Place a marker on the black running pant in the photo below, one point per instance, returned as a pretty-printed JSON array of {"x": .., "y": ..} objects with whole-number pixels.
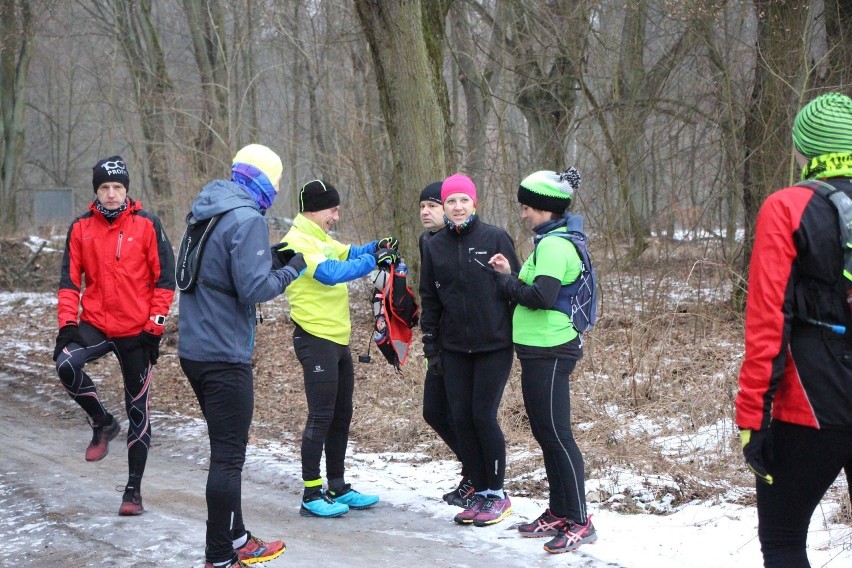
[
  {"x": 436, "y": 410},
  {"x": 475, "y": 383},
  {"x": 547, "y": 400},
  {"x": 136, "y": 372},
  {"x": 225, "y": 392},
  {"x": 329, "y": 387},
  {"x": 806, "y": 462}
]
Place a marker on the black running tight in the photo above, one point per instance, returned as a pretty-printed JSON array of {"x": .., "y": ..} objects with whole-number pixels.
[
  {"x": 806, "y": 462},
  {"x": 475, "y": 383},
  {"x": 136, "y": 372},
  {"x": 547, "y": 400}
]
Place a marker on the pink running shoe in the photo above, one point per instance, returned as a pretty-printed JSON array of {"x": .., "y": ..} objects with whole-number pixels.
[
  {"x": 546, "y": 525},
  {"x": 571, "y": 536},
  {"x": 474, "y": 505},
  {"x": 493, "y": 511}
]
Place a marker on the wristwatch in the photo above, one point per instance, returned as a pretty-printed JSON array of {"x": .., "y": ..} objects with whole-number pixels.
[{"x": 159, "y": 320}]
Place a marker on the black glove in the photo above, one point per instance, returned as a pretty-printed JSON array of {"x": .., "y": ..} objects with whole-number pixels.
[
  {"x": 388, "y": 242},
  {"x": 298, "y": 263},
  {"x": 281, "y": 255},
  {"x": 386, "y": 256},
  {"x": 67, "y": 334},
  {"x": 151, "y": 346},
  {"x": 757, "y": 449},
  {"x": 434, "y": 366}
]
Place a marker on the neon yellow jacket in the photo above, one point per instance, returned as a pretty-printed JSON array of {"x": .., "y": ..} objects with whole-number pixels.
[{"x": 319, "y": 300}]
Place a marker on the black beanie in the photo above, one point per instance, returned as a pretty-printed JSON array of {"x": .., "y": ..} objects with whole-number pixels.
[
  {"x": 432, "y": 192},
  {"x": 317, "y": 195},
  {"x": 110, "y": 169}
]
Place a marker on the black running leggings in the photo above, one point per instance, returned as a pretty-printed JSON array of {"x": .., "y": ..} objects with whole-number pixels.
[
  {"x": 136, "y": 372},
  {"x": 547, "y": 400},
  {"x": 436, "y": 410},
  {"x": 329, "y": 387},
  {"x": 806, "y": 462},
  {"x": 475, "y": 383},
  {"x": 225, "y": 392}
]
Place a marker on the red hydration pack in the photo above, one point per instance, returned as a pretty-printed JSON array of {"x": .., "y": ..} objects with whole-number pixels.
[{"x": 396, "y": 311}]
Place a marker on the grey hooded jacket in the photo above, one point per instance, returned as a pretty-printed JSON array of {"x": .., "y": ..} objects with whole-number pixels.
[{"x": 215, "y": 325}]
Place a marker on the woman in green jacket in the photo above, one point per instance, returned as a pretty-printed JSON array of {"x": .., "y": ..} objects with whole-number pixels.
[{"x": 548, "y": 347}]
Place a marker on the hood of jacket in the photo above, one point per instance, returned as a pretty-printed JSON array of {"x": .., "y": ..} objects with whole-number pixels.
[{"x": 220, "y": 196}]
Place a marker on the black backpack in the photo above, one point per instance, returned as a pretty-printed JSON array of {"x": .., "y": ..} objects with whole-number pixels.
[
  {"x": 843, "y": 205},
  {"x": 191, "y": 250},
  {"x": 579, "y": 299}
]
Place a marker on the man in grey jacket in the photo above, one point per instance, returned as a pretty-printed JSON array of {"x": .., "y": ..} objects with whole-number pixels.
[{"x": 216, "y": 324}]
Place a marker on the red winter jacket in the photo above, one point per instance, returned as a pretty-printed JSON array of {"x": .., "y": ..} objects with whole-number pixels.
[
  {"x": 794, "y": 371},
  {"x": 128, "y": 270}
]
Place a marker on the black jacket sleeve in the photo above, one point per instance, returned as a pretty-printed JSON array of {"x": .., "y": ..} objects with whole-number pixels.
[
  {"x": 431, "y": 306},
  {"x": 540, "y": 296}
]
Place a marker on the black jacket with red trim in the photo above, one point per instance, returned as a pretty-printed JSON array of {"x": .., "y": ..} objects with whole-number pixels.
[
  {"x": 794, "y": 371},
  {"x": 127, "y": 267}
]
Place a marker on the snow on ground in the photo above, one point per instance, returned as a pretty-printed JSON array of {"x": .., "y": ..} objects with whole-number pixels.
[{"x": 711, "y": 534}]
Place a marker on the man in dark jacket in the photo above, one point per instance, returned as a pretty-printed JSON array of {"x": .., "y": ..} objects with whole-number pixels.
[
  {"x": 119, "y": 265},
  {"x": 217, "y": 321},
  {"x": 436, "y": 403},
  {"x": 794, "y": 406}
]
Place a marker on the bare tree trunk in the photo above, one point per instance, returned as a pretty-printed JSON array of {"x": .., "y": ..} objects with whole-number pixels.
[
  {"x": 16, "y": 43},
  {"x": 140, "y": 43},
  {"x": 207, "y": 28},
  {"x": 548, "y": 77},
  {"x": 780, "y": 76},
  {"x": 410, "y": 104}
]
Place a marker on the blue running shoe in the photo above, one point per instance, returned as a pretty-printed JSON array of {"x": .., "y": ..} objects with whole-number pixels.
[
  {"x": 319, "y": 505},
  {"x": 355, "y": 500}
]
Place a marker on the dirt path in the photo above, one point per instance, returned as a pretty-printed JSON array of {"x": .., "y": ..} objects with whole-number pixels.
[{"x": 59, "y": 510}]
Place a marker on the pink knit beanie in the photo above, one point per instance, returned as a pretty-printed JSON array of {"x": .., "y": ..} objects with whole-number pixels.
[{"x": 458, "y": 183}]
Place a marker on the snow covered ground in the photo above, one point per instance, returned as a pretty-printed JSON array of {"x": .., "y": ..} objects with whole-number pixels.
[{"x": 710, "y": 534}]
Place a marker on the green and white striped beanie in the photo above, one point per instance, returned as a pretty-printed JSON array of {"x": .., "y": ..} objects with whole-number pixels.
[
  {"x": 549, "y": 191},
  {"x": 824, "y": 126}
]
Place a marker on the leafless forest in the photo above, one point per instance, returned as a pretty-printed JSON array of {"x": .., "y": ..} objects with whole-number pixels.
[{"x": 677, "y": 113}]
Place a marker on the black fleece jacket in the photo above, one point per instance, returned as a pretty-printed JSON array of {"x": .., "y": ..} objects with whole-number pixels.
[{"x": 463, "y": 307}]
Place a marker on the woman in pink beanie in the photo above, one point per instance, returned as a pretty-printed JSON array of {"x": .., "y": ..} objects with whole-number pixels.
[{"x": 467, "y": 334}]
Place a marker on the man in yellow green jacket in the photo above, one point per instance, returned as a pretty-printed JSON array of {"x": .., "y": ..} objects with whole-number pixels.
[{"x": 319, "y": 308}]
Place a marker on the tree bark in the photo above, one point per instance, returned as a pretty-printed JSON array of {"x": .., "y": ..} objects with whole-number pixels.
[
  {"x": 207, "y": 28},
  {"x": 411, "y": 105},
  {"x": 140, "y": 43},
  {"x": 16, "y": 47},
  {"x": 780, "y": 75}
]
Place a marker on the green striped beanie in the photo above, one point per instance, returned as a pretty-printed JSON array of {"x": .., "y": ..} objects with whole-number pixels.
[
  {"x": 824, "y": 126},
  {"x": 549, "y": 191}
]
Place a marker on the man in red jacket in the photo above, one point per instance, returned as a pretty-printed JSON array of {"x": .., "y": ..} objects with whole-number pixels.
[
  {"x": 794, "y": 406},
  {"x": 119, "y": 265}
]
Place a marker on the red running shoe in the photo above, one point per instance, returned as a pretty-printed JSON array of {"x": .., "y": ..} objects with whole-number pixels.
[
  {"x": 256, "y": 550},
  {"x": 102, "y": 434},
  {"x": 571, "y": 536},
  {"x": 546, "y": 525},
  {"x": 131, "y": 503}
]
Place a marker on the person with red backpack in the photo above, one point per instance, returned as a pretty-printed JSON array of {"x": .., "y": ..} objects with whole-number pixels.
[
  {"x": 794, "y": 404},
  {"x": 549, "y": 344}
]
